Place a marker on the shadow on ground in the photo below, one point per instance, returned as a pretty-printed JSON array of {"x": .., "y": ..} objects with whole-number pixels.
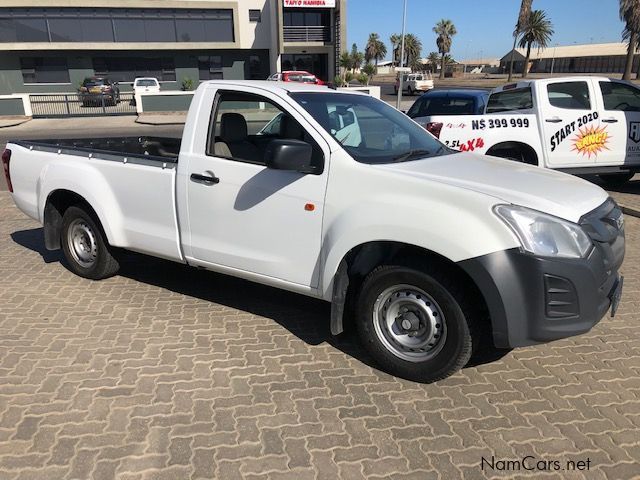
[{"x": 305, "y": 317}]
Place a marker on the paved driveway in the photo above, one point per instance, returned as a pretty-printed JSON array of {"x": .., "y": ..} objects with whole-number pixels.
[{"x": 169, "y": 372}]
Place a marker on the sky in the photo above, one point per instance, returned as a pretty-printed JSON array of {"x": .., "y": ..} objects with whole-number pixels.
[{"x": 484, "y": 26}]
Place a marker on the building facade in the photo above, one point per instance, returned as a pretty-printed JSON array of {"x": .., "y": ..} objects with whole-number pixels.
[
  {"x": 52, "y": 45},
  {"x": 589, "y": 58}
]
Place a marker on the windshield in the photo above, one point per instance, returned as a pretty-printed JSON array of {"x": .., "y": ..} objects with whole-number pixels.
[
  {"x": 371, "y": 131},
  {"x": 94, "y": 82},
  {"x": 146, "y": 82}
]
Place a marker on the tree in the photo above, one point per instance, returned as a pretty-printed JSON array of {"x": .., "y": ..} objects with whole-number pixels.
[
  {"x": 412, "y": 49},
  {"x": 346, "y": 61},
  {"x": 375, "y": 49},
  {"x": 369, "y": 69},
  {"x": 434, "y": 59},
  {"x": 357, "y": 58},
  {"x": 396, "y": 40},
  {"x": 630, "y": 15},
  {"x": 536, "y": 33},
  {"x": 523, "y": 17},
  {"x": 445, "y": 29}
]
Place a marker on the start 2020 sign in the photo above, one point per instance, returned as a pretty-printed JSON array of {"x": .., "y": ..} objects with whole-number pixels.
[{"x": 310, "y": 3}]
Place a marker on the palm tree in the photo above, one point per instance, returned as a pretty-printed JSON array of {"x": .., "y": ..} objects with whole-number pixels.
[
  {"x": 434, "y": 60},
  {"x": 412, "y": 49},
  {"x": 630, "y": 15},
  {"x": 375, "y": 49},
  {"x": 537, "y": 32},
  {"x": 523, "y": 18},
  {"x": 445, "y": 29},
  {"x": 346, "y": 63},
  {"x": 357, "y": 58},
  {"x": 395, "y": 40}
]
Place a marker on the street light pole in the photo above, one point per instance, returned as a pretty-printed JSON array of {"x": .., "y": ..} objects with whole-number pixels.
[
  {"x": 404, "y": 21},
  {"x": 553, "y": 58}
]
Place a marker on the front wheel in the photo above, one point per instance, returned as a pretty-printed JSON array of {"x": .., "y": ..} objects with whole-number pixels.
[
  {"x": 412, "y": 324},
  {"x": 616, "y": 180},
  {"x": 84, "y": 245}
]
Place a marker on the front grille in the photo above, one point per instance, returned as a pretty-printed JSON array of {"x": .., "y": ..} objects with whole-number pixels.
[{"x": 606, "y": 228}]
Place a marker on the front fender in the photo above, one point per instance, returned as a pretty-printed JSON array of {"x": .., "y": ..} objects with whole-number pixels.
[{"x": 454, "y": 232}]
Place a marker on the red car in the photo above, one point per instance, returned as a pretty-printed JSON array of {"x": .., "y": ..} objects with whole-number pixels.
[{"x": 296, "y": 76}]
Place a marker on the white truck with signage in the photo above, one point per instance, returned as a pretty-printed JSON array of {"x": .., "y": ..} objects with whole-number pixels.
[
  {"x": 579, "y": 125},
  {"x": 429, "y": 252}
]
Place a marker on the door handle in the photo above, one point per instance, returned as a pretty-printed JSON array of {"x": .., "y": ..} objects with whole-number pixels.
[
  {"x": 610, "y": 120},
  {"x": 553, "y": 120},
  {"x": 204, "y": 179}
]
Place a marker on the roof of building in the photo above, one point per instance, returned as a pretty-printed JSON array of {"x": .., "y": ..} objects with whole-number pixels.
[
  {"x": 566, "y": 51},
  {"x": 481, "y": 61}
]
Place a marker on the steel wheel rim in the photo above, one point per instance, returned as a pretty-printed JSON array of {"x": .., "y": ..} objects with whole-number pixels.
[
  {"x": 409, "y": 323},
  {"x": 82, "y": 243}
]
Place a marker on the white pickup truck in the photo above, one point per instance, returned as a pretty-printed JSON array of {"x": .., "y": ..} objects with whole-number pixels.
[
  {"x": 428, "y": 251},
  {"x": 579, "y": 125}
]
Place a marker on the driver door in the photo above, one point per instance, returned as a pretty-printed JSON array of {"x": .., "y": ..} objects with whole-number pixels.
[{"x": 248, "y": 217}]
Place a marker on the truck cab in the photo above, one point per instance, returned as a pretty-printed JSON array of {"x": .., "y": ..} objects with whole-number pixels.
[{"x": 580, "y": 125}]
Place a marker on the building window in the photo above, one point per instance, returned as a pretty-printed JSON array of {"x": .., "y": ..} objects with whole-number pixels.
[
  {"x": 210, "y": 67},
  {"x": 255, "y": 16},
  {"x": 44, "y": 70},
  {"x": 115, "y": 25},
  {"x": 126, "y": 69},
  {"x": 298, "y": 17},
  {"x": 255, "y": 68}
]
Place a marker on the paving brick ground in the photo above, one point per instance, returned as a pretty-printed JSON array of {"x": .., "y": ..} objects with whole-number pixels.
[
  {"x": 629, "y": 196},
  {"x": 165, "y": 372}
]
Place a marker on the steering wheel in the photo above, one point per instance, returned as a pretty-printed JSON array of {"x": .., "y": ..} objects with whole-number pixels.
[{"x": 620, "y": 105}]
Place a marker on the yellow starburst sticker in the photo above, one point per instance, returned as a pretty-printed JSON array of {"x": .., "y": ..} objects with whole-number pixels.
[{"x": 591, "y": 140}]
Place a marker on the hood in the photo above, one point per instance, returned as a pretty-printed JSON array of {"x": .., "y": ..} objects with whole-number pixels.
[{"x": 545, "y": 190}]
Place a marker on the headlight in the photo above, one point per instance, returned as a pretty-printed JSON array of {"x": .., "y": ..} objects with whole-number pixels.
[{"x": 545, "y": 235}]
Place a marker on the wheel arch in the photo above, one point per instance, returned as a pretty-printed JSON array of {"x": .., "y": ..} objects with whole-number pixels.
[
  {"x": 56, "y": 204},
  {"x": 358, "y": 262},
  {"x": 530, "y": 155}
]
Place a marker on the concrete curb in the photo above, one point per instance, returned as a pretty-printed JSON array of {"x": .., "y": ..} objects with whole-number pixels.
[
  {"x": 633, "y": 212},
  {"x": 6, "y": 122},
  {"x": 161, "y": 119}
]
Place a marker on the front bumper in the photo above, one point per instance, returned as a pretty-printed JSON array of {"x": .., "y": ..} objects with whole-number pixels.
[{"x": 538, "y": 299}]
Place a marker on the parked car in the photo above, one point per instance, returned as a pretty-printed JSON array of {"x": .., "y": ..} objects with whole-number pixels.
[
  {"x": 145, "y": 85},
  {"x": 414, "y": 83},
  {"x": 429, "y": 251},
  {"x": 295, "y": 76},
  {"x": 579, "y": 125},
  {"x": 449, "y": 102},
  {"x": 99, "y": 90}
]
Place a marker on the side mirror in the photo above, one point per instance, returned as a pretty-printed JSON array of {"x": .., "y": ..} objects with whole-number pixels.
[{"x": 289, "y": 154}]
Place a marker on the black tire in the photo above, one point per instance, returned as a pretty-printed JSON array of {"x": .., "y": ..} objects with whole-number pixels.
[
  {"x": 616, "y": 180},
  {"x": 82, "y": 238},
  {"x": 453, "y": 341}
]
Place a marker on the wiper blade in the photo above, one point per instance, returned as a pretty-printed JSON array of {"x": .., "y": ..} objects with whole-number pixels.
[{"x": 411, "y": 154}]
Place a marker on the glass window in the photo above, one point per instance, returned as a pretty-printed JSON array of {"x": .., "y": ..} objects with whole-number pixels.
[
  {"x": 245, "y": 124},
  {"x": 130, "y": 25},
  {"x": 569, "y": 95},
  {"x": 370, "y": 130},
  {"x": 210, "y": 67},
  {"x": 509, "y": 100},
  {"x": 255, "y": 68},
  {"x": 31, "y": 30},
  {"x": 126, "y": 69},
  {"x": 129, "y": 29},
  {"x": 44, "y": 70},
  {"x": 255, "y": 16},
  {"x": 97, "y": 30},
  {"x": 620, "y": 96},
  {"x": 447, "y": 106}
]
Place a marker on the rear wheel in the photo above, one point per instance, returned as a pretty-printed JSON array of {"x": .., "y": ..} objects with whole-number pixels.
[
  {"x": 84, "y": 245},
  {"x": 616, "y": 180},
  {"x": 413, "y": 323}
]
